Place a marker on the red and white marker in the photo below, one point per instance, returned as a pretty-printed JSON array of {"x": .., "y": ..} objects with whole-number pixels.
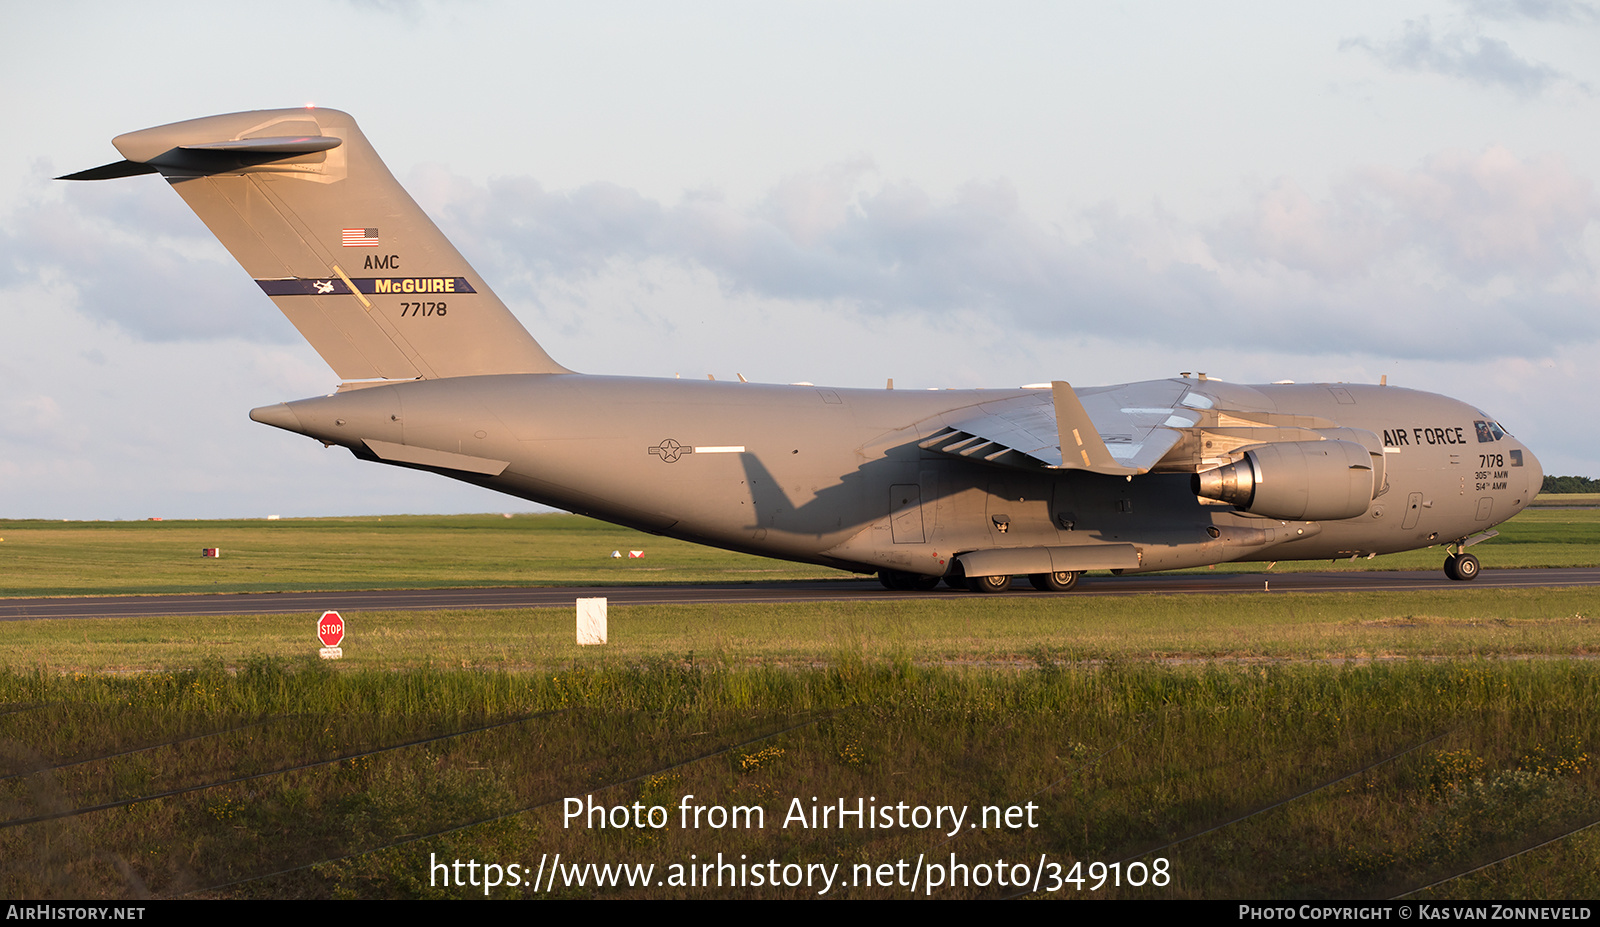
[{"x": 330, "y": 630}]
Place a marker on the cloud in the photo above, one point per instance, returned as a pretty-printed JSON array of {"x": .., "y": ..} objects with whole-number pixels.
[
  {"x": 136, "y": 258},
  {"x": 1474, "y": 217},
  {"x": 1568, "y": 12},
  {"x": 37, "y": 419},
  {"x": 1460, "y": 53},
  {"x": 1489, "y": 214},
  {"x": 1465, "y": 255},
  {"x": 409, "y": 11}
]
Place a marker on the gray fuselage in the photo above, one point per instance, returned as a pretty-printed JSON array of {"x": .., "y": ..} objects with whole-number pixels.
[{"x": 837, "y": 477}]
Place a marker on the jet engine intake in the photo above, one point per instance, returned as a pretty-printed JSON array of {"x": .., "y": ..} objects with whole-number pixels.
[{"x": 1294, "y": 480}]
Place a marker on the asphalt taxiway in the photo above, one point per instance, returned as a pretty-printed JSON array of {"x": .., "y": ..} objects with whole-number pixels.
[{"x": 857, "y": 590}]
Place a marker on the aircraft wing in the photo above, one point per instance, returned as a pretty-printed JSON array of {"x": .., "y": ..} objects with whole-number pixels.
[
  {"x": 1140, "y": 422},
  {"x": 1121, "y": 431}
]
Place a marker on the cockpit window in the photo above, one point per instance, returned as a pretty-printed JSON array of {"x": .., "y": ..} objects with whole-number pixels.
[{"x": 1488, "y": 431}]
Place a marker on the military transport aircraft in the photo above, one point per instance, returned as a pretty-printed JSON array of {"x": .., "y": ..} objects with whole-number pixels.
[{"x": 972, "y": 486}]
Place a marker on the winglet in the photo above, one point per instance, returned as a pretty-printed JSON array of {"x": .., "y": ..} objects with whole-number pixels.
[{"x": 1081, "y": 446}]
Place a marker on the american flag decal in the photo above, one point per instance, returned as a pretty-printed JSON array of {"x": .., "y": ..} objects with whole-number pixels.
[{"x": 359, "y": 238}]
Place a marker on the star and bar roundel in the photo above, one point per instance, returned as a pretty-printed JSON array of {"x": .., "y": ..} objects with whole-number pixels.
[{"x": 669, "y": 450}]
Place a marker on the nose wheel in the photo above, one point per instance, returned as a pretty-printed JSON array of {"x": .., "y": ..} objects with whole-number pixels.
[{"x": 1461, "y": 567}]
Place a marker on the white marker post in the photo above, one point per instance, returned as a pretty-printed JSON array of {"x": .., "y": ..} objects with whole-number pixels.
[
  {"x": 330, "y": 630},
  {"x": 591, "y": 621}
]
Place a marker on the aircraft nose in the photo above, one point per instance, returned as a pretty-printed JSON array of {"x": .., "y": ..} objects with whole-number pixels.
[{"x": 1535, "y": 473}]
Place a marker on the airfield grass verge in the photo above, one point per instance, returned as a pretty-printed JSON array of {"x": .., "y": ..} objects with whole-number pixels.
[
  {"x": 387, "y": 552},
  {"x": 296, "y": 779},
  {"x": 43, "y": 558},
  {"x": 958, "y": 630},
  {"x": 1271, "y": 745},
  {"x": 1567, "y": 499}
]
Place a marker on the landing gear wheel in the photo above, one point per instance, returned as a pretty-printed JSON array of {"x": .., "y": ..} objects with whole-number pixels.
[
  {"x": 1462, "y": 567},
  {"x": 1060, "y": 581},
  {"x": 988, "y": 583}
]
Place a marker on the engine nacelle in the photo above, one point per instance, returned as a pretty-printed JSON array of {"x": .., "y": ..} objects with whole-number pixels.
[{"x": 1295, "y": 480}]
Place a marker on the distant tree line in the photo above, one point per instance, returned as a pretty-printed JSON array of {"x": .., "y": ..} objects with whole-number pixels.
[{"x": 1570, "y": 484}]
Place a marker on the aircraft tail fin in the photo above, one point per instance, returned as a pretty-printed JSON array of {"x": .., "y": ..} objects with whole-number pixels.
[{"x": 302, "y": 201}]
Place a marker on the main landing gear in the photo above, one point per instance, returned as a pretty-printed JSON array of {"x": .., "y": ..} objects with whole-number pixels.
[
  {"x": 1461, "y": 567},
  {"x": 988, "y": 583},
  {"x": 1062, "y": 581}
]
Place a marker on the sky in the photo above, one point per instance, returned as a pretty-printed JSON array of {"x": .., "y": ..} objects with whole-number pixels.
[{"x": 946, "y": 194}]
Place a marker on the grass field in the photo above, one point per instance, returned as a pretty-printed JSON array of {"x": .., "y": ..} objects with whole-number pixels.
[
  {"x": 1437, "y": 745},
  {"x": 956, "y": 631},
  {"x": 406, "y": 552},
  {"x": 399, "y": 552},
  {"x": 1476, "y": 778},
  {"x": 1565, "y": 499}
]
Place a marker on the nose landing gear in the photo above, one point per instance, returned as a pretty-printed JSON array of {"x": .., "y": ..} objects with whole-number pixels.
[{"x": 1461, "y": 567}]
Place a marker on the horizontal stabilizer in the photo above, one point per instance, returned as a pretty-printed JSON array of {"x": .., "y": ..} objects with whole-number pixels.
[
  {"x": 112, "y": 171},
  {"x": 287, "y": 145},
  {"x": 202, "y": 158}
]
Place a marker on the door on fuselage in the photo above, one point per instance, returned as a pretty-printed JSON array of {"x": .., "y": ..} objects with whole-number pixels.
[
  {"x": 1413, "y": 511},
  {"x": 905, "y": 514}
]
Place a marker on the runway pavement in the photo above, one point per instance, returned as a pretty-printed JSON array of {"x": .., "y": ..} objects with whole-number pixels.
[{"x": 855, "y": 590}]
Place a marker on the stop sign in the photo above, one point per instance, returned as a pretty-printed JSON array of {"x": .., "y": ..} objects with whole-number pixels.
[{"x": 330, "y": 629}]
